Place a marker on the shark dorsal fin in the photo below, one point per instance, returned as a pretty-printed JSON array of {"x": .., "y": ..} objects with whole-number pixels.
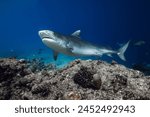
[
  {"x": 55, "y": 55},
  {"x": 76, "y": 33}
]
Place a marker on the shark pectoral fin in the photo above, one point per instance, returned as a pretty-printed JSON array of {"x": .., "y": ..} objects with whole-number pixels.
[
  {"x": 76, "y": 33},
  {"x": 55, "y": 55},
  {"x": 109, "y": 55}
]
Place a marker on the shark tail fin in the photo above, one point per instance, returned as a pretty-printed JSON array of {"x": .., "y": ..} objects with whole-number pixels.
[{"x": 122, "y": 50}]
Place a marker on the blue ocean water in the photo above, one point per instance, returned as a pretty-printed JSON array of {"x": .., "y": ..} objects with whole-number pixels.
[{"x": 104, "y": 22}]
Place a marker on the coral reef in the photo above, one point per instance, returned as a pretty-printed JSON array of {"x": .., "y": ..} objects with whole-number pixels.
[{"x": 81, "y": 79}]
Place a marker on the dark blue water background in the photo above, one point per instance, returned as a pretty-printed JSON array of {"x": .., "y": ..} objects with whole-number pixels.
[{"x": 104, "y": 22}]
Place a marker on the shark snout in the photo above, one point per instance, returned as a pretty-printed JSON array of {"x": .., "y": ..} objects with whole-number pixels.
[
  {"x": 46, "y": 34},
  {"x": 40, "y": 33}
]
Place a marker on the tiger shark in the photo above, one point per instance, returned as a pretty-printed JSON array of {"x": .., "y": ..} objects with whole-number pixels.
[{"x": 73, "y": 45}]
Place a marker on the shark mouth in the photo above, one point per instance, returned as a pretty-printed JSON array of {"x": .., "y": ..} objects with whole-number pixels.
[{"x": 45, "y": 37}]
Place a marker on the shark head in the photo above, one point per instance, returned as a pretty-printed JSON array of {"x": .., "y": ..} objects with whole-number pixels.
[
  {"x": 52, "y": 40},
  {"x": 47, "y": 35}
]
